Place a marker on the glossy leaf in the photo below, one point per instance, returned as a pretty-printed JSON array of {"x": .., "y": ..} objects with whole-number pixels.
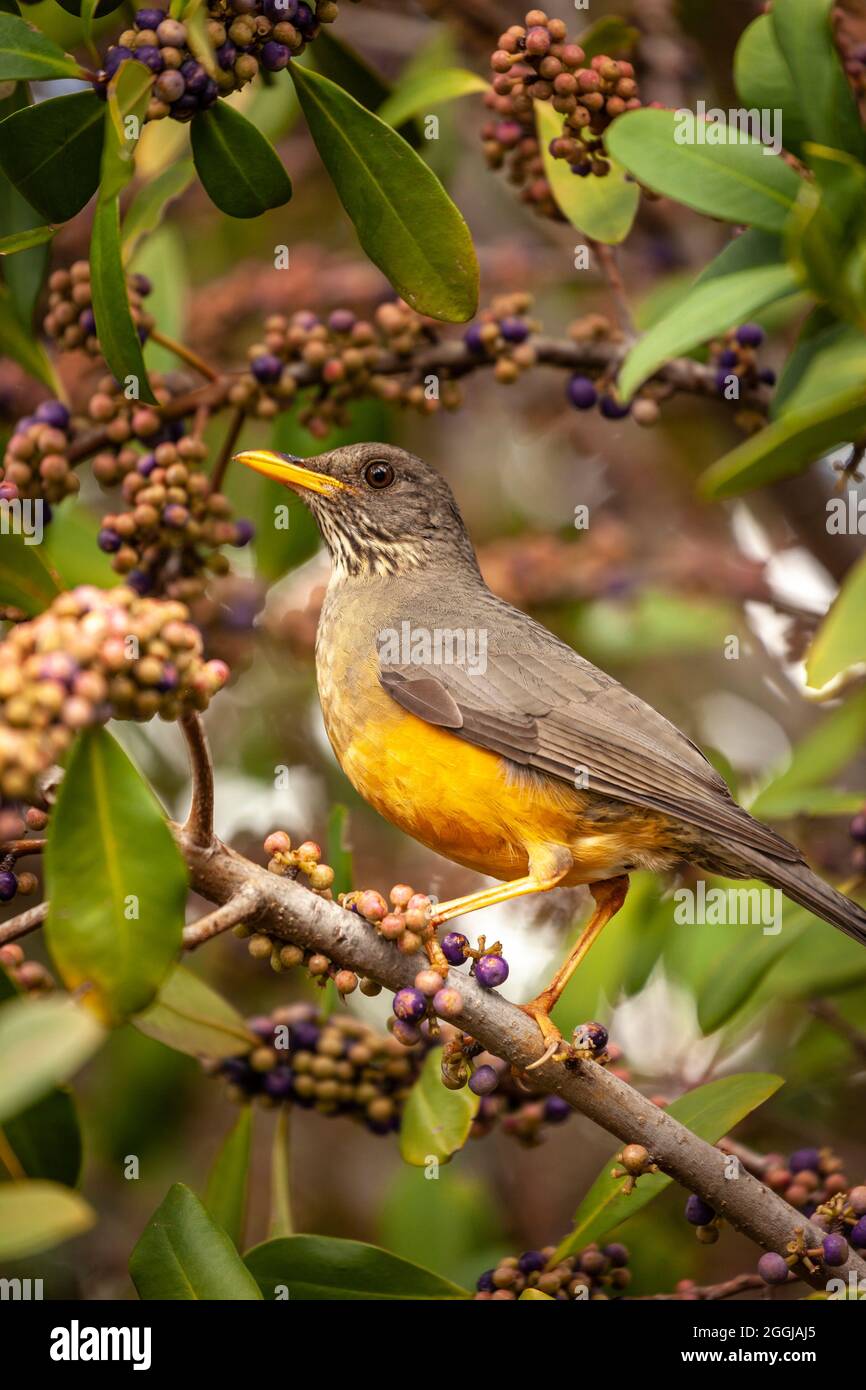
[
  {"x": 226, "y": 1193},
  {"x": 739, "y": 971},
  {"x": 709, "y": 1111},
  {"x": 150, "y": 203},
  {"x": 343, "y": 65},
  {"x": 324, "y": 1268},
  {"x": 610, "y": 34},
  {"x": 42, "y": 1042},
  {"x": 603, "y": 208},
  {"x": 763, "y": 80},
  {"x": 827, "y": 355},
  {"x": 427, "y": 91},
  {"x": 240, "y": 170},
  {"x": 749, "y": 274},
  {"x": 34, "y": 1216},
  {"x": 24, "y": 272},
  {"x": 25, "y": 53},
  {"x": 805, "y": 37},
  {"x": 184, "y": 1255},
  {"x": 190, "y": 1017},
  {"x": 280, "y": 1221},
  {"x": 339, "y": 850},
  {"x": 735, "y": 181},
  {"x": 837, "y": 738},
  {"x": 436, "y": 1122},
  {"x": 46, "y": 1140},
  {"x": 25, "y": 240},
  {"x": 128, "y": 95},
  {"x": 840, "y": 642},
  {"x": 51, "y": 153},
  {"x": 26, "y": 581},
  {"x": 116, "y": 917},
  {"x": 403, "y": 217}
]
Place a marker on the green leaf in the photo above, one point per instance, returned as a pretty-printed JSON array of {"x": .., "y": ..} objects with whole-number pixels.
[
  {"x": 26, "y": 54},
  {"x": 764, "y": 83},
  {"x": 24, "y": 240},
  {"x": 42, "y": 1043},
  {"x": 339, "y": 852},
  {"x": 149, "y": 205},
  {"x": 128, "y": 95},
  {"x": 739, "y": 971},
  {"x": 827, "y": 354},
  {"x": 241, "y": 171},
  {"x": 190, "y": 1017},
  {"x": 805, "y": 38},
  {"x": 343, "y": 65},
  {"x": 34, "y": 1216},
  {"x": 735, "y": 181},
  {"x": 46, "y": 1140},
  {"x": 116, "y": 881},
  {"x": 280, "y": 1223},
  {"x": 709, "y": 1111},
  {"x": 535, "y": 1296},
  {"x": 320, "y": 1268},
  {"x": 26, "y": 581},
  {"x": 830, "y": 746},
  {"x": 746, "y": 276},
  {"x": 436, "y": 1122},
  {"x": 51, "y": 153},
  {"x": 603, "y": 208},
  {"x": 19, "y": 343},
  {"x": 840, "y": 642},
  {"x": 24, "y": 275},
  {"x": 184, "y": 1255},
  {"x": 70, "y": 551},
  {"x": 226, "y": 1193},
  {"x": 403, "y": 217},
  {"x": 428, "y": 91},
  {"x": 611, "y": 34},
  {"x": 825, "y": 241}
]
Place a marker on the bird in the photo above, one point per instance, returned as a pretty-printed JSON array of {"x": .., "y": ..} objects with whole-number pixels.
[{"x": 477, "y": 731}]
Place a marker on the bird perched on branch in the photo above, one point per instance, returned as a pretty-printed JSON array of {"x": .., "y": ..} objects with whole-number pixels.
[{"x": 471, "y": 727}]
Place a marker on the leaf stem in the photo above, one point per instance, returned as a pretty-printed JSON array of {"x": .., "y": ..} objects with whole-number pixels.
[{"x": 185, "y": 354}]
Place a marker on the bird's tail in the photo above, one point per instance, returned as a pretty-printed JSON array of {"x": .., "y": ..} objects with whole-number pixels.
[{"x": 797, "y": 881}]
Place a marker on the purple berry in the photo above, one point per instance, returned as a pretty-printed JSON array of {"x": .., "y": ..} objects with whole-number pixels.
[
  {"x": 115, "y": 57},
  {"x": 483, "y": 1080},
  {"x": 244, "y": 532},
  {"x": 699, "y": 1212},
  {"x": 410, "y": 1004},
  {"x": 858, "y": 1233},
  {"x": 617, "y": 1254},
  {"x": 262, "y": 1026},
  {"x": 196, "y": 76},
  {"x": 454, "y": 947},
  {"x": 187, "y": 105},
  {"x": 150, "y": 55},
  {"x": 405, "y": 1032},
  {"x": 267, "y": 368},
  {"x": 772, "y": 1268},
  {"x": 53, "y": 413},
  {"x": 305, "y": 20},
  {"x": 87, "y": 322},
  {"x": 484, "y": 1282},
  {"x": 473, "y": 339},
  {"x": 491, "y": 971},
  {"x": 304, "y": 1035},
  {"x": 226, "y": 56},
  {"x": 209, "y": 95},
  {"x": 139, "y": 581},
  {"x": 8, "y": 492},
  {"x": 278, "y": 1083},
  {"x": 530, "y": 1261},
  {"x": 8, "y": 885},
  {"x": 514, "y": 330},
  {"x": 142, "y": 284},
  {"x": 556, "y": 1110},
  {"x": 149, "y": 19},
  {"x": 612, "y": 409},
  {"x": 729, "y": 358},
  {"x": 750, "y": 335},
  {"x": 341, "y": 321},
  {"x": 767, "y": 376},
  {"x": 108, "y": 540},
  {"x": 835, "y": 1250},
  {"x": 582, "y": 393},
  {"x": 590, "y": 1037},
  {"x": 146, "y": 465},
  {"x": 723, "y": 380},
  {"x": 804, "y": 1161},
  {"x": 275, "y": 56}
]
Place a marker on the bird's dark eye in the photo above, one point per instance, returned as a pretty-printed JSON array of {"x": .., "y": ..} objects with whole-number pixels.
[{"x": 379, "y": 473}]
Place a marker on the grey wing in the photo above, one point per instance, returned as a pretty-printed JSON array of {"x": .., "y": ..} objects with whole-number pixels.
[{"x": 548, "y": 709}]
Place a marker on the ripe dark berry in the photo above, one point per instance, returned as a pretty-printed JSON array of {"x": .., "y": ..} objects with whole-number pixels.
[
  {"x": 729, "y": 358},
  {"x": 275, "y": 56},
  {"x": 473, "y": 339},
  {"x": 8, "y": 885},
  {"x": 772, "y": 1268},
  {"x": 531, "y": 1260},
  {"x": 804, "y": 1160},
  {"x": 454, "y": 947},
  {"x": 617, "y": 1254},
  {"x": 857, "y": 828},
  {"x": 590, "y": 1037},
  {"x": 582, "y": 393},
  {"x": 278, "y": 1083},
  {"x": 410, "y": 1005},
  {"x": 149, "y": 19},
  {"x": 835, "y": 1249},
  {"x": 483, "y": 1080},
  {"x": 108, "y": 540},
  {"x": 484, "y": 1282},
  {"x": 556, "y": 1110},
  {"x": 514, "y": 330},
  {"x": 612, "y": 409},
  {"x": 266, "y": 369},
  {"x": 699, "y": 1212},
  {"x": 750, "y": 335},
  {"x": 491, "y": 971},
  {"x": 53, "y": 413},
  {"x": 858, "y": 1233}
]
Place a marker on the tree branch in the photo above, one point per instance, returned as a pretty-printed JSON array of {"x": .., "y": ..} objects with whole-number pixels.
[
  {"x": 22, "y": 924},
  {"x": 241, "y": 908},
  {"x": 199, "y": 822}
]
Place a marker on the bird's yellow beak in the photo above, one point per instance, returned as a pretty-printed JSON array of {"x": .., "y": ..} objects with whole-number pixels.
[{"x": 290, "y": 471}]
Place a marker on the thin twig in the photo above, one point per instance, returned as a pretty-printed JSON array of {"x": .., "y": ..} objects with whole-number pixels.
[
  {"x": 199, "y": 822},
  {"x": 710, "y": 1293},
  {"x": 607, "y": 259},
  {"x": 186, "y": 354},
  {"x": 227, "y": 450},
  {"x": 829, "y": 1014},
  {"x": 21, "y": 848},
  {"x": 22, "y": 924},
  {"x": 240, "y": 908}
]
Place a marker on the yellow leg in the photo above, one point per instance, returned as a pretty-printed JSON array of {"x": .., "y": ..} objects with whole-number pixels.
[
  {"x": 609, "y": 897},
  {"x": 488, "y": 897}
]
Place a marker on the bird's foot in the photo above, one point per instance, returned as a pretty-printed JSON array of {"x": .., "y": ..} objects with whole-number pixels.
[{"x": 555, "y": 1046}]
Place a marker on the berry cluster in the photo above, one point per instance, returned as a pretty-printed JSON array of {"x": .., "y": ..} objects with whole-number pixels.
[
  {"x": 736, "y": 356},
  {"x": 584, "y": 392},
  {"x": 503, "y": 332},
  {"x": 594, "y": 1273},
  {"x": 70, "y": 321},
  {"x": 244, "y": 35},
  {"x": 534, "y": 61},
  {"x": 29, "y": 975},
  {"x": 170, "y": 538},
  {"x": 509, "y": 1104},
  {"x": 338, "y": 1066},
  {"x": 93, "y": 655},
  {"x": 808, "y": 1179},
  {"x": 338, "y": 357},
  {"x": 35, "y": 463}
]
